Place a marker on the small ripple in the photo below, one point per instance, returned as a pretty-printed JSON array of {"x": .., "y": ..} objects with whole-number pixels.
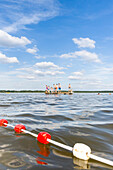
[
  {"x": 18, "y": 102},
  {"x": 57, "y": 118},
  {"x": 107, "y": 111},
  {"x": 5, "y": 105}
]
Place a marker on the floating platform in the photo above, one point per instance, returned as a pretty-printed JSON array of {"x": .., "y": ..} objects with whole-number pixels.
[{"x": 60, "y": 92}]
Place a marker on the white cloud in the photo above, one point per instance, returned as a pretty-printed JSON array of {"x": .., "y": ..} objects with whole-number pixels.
[
  {"x": 29, "y": 77},
  {"x": 46, "y": 69},
  {"x": 6, "y": 40},
  {"x": 38, "y": 57},
  {"x": 47, "y": 73},
  {"x": 69, "y": 55},
  {"x": 76, "y": 76},
  {"x": 69, "y": 65},
  {"x": 86, "y": 55},
  {"x": 47, "y": 65},
  {"x": 35, "y": 74},
  {"x": 78, "y": 73},
  {"x": 53, "y": 73},
  {"x": 39, "y": 73},
  {"x": 20, "y": 24},
  {"x": 5, "y": 59},
  {"x": 84, "y": 42},
  {"x": 26, "y": 12},
  {"x": 28, "y": 69},
  {"x": 108, "y": 70},
  {"x": 33, "y": 50}
]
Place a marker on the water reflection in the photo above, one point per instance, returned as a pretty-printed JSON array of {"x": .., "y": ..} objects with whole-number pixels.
[
  {"x": 81, "y": 164},
  {"x": 10, "y": 160},
  {"x": 43, "y": 151}
]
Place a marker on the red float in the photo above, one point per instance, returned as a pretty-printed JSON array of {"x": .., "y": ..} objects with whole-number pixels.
[
  {"x": 18, "y": 128},
  {"x": 2, "y": 121},
  {"x": 43, "y": 136}
]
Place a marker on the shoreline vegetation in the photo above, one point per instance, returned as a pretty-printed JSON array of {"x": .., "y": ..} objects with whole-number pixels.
[{"x": 43, "y": 91}]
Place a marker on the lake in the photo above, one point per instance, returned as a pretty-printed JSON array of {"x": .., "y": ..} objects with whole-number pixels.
[{"x": 78, "y": 118}]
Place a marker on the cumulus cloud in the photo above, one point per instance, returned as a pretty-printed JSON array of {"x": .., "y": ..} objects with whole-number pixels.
[
  {"x": 108, "y": 70},
  {"x": 78, "y": 73},
  {"x": 34, "y": 74},
  {"x": 76, "y": 76},
  {"x": 41, "y": 69},
  {"x": 47, "y": 73},
  {"x": 39, "y": 73},
  {"x": 29, "y": 69},
  {"x": 6, "y": 40},
  {"x": 5, "y": 59},
  {"x": 84, "y": 42},
  {"x": 69, "y": 55},
  {"x": 29, "y": 77},
  {"x": 47, "y": 65},
  {"x": 33, "y": 50},
  {"x": 53, "y": 73},
  {"x": 86, "y": 55}
]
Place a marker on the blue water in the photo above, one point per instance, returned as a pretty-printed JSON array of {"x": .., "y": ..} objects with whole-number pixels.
[{"x": 70, "y": 119}]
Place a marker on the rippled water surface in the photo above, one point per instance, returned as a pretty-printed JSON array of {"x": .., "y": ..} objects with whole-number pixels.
[{"x": 86, "y": 118}]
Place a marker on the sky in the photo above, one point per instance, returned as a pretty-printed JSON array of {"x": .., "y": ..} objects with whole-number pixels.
[{"x": 45, "y": 42}]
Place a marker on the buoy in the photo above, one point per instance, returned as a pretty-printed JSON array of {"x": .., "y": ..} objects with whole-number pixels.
[
  {"x": 2, "y": 121},
  {"x": 43, "y": 136},
  {"x": 19, "y": 128},
  {"x": 79, "y": 150}
]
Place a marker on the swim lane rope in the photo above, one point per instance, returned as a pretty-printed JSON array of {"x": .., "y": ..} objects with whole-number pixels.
[{"x": 79, "y": 150}]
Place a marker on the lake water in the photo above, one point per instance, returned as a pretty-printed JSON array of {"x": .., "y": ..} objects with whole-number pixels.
[{"x": 70, "y": 119}]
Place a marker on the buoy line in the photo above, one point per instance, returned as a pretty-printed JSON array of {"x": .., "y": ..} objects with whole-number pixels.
[{"x": 79, "y": 150}]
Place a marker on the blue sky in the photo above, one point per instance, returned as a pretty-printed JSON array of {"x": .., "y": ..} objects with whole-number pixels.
[{"x": 51, "y": 41}]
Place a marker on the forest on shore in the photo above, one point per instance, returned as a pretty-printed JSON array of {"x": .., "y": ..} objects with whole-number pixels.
[{"x": 42, "y": 91}]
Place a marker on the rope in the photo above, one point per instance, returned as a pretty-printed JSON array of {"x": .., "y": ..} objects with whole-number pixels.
[{"x": 79, "y": 150}]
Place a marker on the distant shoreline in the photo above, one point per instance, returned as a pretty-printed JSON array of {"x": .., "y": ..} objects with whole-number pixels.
[{"x": 42, "y": 91}]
